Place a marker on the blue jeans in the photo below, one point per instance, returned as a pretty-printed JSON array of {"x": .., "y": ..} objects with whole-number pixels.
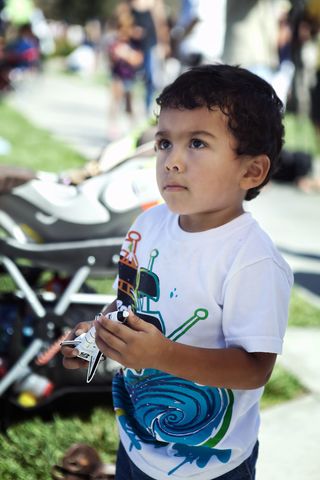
[
  {"x": 126, "y": 469},
  {"x": 148, "y": 67}
]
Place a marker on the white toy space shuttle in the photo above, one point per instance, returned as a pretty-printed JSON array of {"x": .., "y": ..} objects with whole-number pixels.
[{"x": 86, "y": 344}]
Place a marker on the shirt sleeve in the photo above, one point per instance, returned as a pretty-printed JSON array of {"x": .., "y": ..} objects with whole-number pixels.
[{"x": 255, "y": 310}]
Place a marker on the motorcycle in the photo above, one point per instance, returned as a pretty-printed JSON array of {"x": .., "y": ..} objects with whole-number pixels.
[{"x": 55, "y": 235}]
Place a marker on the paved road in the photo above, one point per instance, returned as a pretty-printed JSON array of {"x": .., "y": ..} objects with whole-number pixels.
[{"x": 75, "y": 112}]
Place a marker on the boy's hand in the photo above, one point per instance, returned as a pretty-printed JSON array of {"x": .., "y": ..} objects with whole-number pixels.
[
  {"x": 70, "y": 359},
  {"x": 136, "y": 344}
]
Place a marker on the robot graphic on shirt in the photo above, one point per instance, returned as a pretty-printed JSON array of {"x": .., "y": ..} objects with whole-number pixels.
[{"x": 139, "y": 287}]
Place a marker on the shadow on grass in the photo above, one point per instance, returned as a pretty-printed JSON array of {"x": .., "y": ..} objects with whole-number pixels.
[{"x": 65, "y": 403}]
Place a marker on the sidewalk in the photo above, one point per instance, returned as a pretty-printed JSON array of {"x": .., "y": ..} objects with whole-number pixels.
[
  {"x": 70, "y": 108},
  {"x": 290, "y": 434},
  {"x": 75, "y": 111}
]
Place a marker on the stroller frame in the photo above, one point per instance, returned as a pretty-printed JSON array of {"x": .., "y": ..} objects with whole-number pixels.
[{"x": 48, "y": 306}]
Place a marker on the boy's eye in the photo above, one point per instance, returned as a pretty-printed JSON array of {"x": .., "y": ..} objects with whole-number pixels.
[
  {"x": 197, "y": 143},
  {"x": 163, "y": 144}
]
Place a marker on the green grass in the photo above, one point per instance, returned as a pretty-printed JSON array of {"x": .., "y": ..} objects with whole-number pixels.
[
  {"x": 301, "y": 135},
  {"x": 282, "y": 387},
  {"x": 30, "y": 448},
  {"x": 33, "y": 147},
  {"x": 6, "y": 284},
  {"x": 301, "y": 312},
  {"x": 103, "y": 286}
]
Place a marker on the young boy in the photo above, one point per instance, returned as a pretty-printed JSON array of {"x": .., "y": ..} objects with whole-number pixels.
[{"x": 206, "y": 288}]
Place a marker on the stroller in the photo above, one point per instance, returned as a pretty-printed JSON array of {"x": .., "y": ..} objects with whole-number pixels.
[{"x": 55, "y": 235}]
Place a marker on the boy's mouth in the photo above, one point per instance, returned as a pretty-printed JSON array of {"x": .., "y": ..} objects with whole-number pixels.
[{"x": 174, "y": 187}]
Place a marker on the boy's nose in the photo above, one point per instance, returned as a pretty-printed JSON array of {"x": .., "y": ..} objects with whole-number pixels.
[
  {"x": 173, "y": 167},
  {"x": 174, "y": 162}
]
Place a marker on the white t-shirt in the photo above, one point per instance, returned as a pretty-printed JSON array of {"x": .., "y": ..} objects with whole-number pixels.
[{"x": 224, "y": 287}]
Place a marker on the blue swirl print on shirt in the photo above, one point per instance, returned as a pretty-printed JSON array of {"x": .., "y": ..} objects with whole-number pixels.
[
  {"x": 200, "y": 455},
  {"x": 174, "y": 410},
  {"x": 125, "y": 413}
]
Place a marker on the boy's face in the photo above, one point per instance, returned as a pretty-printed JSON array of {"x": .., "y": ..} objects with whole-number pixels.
[{"x": 198, "y": 172}]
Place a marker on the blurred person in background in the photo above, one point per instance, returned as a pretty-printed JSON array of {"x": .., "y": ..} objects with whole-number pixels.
[
  {"x": 21, "y": 12},
  {"x": 254, "y": 34},
  {"x": 19, "y": 55},
  {"x": 306, "y": 43},
  {"x": 315, "y": 92},
  {"x": 84, "y": 59},
  {"x": 304, "y": 53},
  {"x": 152, "y": 38},
  {"x": 2, "y": 4},
  {"x": 262, "y": 35},
  {"x": 124, "y": 58},
  {"x": 304, "y": 95},
  {"x": 24, "y": 50},
  {"x": 198, "y": 34}
]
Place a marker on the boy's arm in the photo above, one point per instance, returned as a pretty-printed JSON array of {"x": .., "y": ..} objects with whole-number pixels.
[
  {"x": 226, "y": 367},
  {"x": 143, "y": 346}
]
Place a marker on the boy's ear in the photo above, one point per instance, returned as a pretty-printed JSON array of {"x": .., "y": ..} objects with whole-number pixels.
[{"x": 255, "y": 171}]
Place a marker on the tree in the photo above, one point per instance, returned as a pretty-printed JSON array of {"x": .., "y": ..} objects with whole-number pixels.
[{"x": 77, "y": 11}]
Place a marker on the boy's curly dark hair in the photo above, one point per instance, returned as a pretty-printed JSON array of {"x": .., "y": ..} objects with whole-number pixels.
[{"x": 254, "y": 111}]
